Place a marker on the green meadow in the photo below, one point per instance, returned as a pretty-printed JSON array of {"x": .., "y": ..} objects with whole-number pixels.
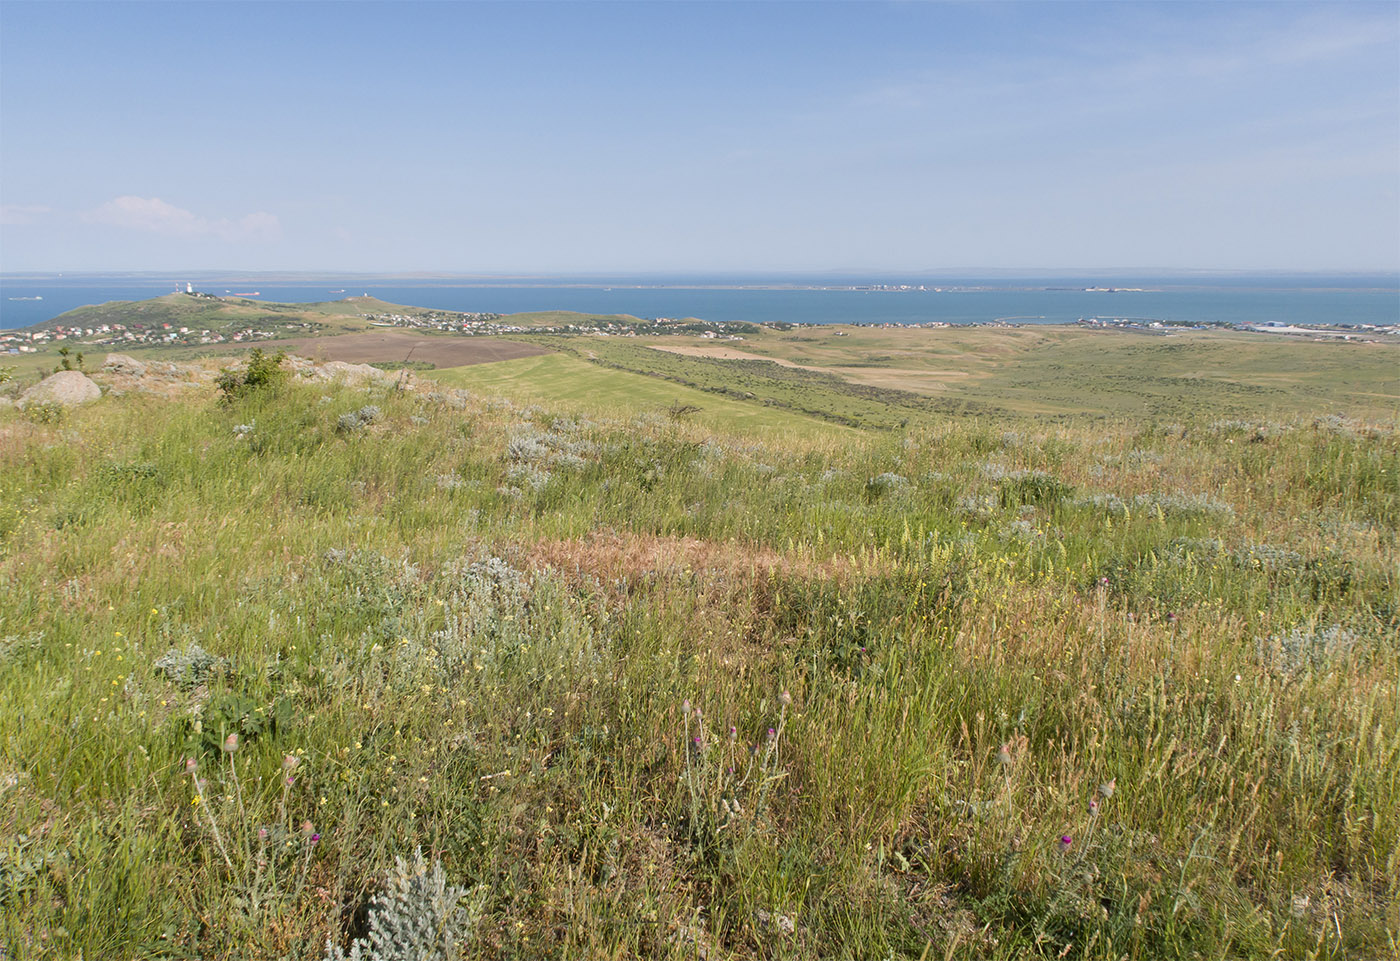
[
  {"x": 1087, "y": 652},
  {"x": 572, "y": 384}
]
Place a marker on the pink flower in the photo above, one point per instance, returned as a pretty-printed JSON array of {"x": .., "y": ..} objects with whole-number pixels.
[
  {"x": 231, "y": 743},
  {"x": 290, "y": 762},
  {"x": 191, "y": 765},
  {"x": 1066, "y": 842}
]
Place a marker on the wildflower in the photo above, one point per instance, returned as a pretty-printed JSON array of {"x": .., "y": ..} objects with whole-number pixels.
[
  {"x": 772, "y": 734},
  {"x": 1004, "y": 755},
  {"x": 307, "y": 829},
  {"x": 685, "y": 706},
  {"x": 315, "y": 838},
  {"x": 1093, "y": 807},
  {"x": 289, "y": 780},
  {"x": 190, "y": 765},
  {"x": 1299, "y": 905},
  {"x": 262, "y": 834},
  {"x": 1108, "y": 787},
  {"x": 290, "y": 762},
  {"x": 733, "y": 734},
  {"x": 231, "y": 743},
  {"x": 1065, "y": 843},
  {"x": 785, "y": 698}
]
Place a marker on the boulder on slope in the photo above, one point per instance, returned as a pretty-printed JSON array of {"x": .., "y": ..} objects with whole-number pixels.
[{"x": 67, "y": 387}]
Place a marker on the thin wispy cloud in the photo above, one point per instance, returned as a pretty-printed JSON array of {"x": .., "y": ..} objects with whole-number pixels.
[
  {"x": 19, "y": 215},
  {"x": 156, "y": 216}
]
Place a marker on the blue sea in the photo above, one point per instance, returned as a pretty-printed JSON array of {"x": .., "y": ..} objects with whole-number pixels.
[{"x": 1302, "y": 299}]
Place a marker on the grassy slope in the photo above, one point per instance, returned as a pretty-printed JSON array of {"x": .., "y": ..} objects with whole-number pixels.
[
  {"x": 570, "y": 383},
  {"x": 1055, "y": 370},
  {"x": 476, "y": 626}
]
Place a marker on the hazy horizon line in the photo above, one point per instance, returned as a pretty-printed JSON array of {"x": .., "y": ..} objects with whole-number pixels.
[{"x": 716, "y": 272}]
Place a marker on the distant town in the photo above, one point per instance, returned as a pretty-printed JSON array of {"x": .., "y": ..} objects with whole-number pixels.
[{"x": 161, "y": 333}]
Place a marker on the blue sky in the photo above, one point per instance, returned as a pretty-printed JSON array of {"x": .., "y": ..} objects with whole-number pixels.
[{"x": 539, "y": 138}]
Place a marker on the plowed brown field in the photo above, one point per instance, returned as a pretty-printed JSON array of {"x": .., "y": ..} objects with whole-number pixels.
[{"x": 389, "y": 345}]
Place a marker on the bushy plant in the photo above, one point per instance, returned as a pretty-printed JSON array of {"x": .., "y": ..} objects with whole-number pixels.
[
  {"x": 45, "y": 412},
  {"x": 358, "y": 419},
  {"x": 188, "y": 668},
  {"x": 263, "y": 372},
  {"x": 418, "y": 916}
]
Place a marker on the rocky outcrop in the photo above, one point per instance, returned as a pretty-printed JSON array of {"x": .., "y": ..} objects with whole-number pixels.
[
  {"x": 67, "y": 387},
  {"x": 123, "y": 364},
  {"x": 338, "y": 370}
]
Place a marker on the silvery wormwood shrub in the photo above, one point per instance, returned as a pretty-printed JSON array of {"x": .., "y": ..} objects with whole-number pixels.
[
  {"x": 1305, "y": 648},
  {"x": 417, "y": 916},
  {"x": 188, "y": 668},
  {"x": 358, "y": 419},
  {"x": 1183, "y": 506}
]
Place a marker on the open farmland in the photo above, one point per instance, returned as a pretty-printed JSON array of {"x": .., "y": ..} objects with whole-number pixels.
[
  {"x": 388, "y": 346},
  {"x": 1061, "y": 370}
]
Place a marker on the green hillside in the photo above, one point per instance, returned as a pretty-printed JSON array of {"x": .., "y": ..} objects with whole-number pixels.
[
  {"x": 573, "y": 384},
  {"x": 740, "y": 684}
]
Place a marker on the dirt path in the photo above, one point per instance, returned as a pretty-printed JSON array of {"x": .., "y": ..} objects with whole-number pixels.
[
  {"x": 729, "y": 353},
  {"x": 899, "y": 378}
]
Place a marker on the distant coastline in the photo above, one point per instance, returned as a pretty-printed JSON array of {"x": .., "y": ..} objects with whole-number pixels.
[{"x": 1236, "y": 300}]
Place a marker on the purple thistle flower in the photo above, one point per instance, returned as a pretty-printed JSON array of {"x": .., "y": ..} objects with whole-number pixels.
[{"x": 1065, "y": 843}]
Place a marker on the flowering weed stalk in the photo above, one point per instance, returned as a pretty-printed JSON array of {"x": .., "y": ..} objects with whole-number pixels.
[
  {"x": 728, "y": 785},
  {"x": 267, "y": 851}
]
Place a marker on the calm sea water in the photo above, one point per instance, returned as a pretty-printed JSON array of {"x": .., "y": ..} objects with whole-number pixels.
[{"x": 1235, "y": 300}]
